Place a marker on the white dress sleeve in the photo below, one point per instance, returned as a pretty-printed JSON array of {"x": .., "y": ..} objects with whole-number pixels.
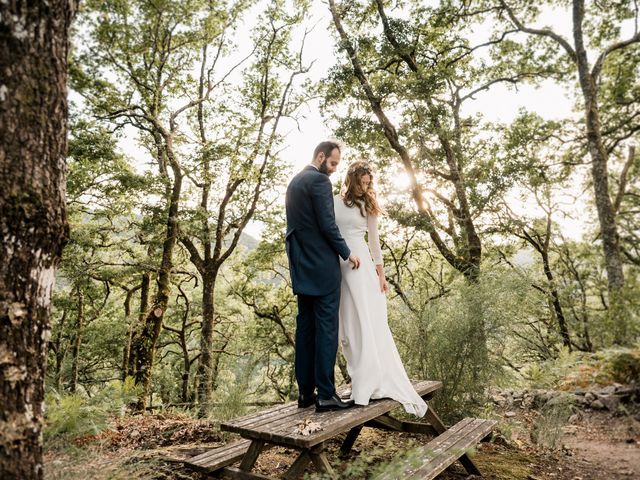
[{"x": 374, "y": 239}]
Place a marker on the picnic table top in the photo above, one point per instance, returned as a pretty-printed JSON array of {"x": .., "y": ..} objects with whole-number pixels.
[{"x": 279, "y": 425}]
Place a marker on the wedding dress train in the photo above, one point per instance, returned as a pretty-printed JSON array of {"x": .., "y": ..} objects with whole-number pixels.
[{"x": 373, "y": 361}]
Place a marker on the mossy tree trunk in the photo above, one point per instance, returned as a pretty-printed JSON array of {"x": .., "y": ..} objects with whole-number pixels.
[{"x": 33, "y": 224}]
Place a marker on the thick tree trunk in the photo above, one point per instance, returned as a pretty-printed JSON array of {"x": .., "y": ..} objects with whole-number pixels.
[
  {"x": 606, "y": 214},
  {"x": 205, "y": 363},
  {"x": 154, "y": 317},
  {"x": 33, "y": 220},
  {"x": 600, "y": 177},
  {"x": 77, "y": 340}
]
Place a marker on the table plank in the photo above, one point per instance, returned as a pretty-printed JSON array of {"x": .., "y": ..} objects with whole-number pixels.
[{"x": 278, "y": 425}]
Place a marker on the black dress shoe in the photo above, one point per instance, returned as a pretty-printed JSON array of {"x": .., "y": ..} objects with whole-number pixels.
[
  {"x": 305, "y": 401},
  {"x": 333, "y": 403}
]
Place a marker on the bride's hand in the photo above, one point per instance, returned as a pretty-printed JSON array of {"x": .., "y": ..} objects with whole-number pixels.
[{"x": 384, "y": 286}]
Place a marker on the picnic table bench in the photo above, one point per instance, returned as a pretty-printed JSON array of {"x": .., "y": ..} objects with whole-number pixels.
[{"x": 278, "y": 426}]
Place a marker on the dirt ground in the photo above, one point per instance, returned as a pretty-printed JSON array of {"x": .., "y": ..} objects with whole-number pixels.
[{"x": 592, "y": 446}]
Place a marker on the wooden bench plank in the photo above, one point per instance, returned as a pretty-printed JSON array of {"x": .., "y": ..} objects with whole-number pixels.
[
  {"x": 219, "y": 457},
  {"x": 442, "y": 451},
  {"x": 464, "y": 440}
]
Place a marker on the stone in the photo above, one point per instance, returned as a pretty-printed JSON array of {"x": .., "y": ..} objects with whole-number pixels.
[
  {"x": 597, "y": 405},
  {"x": 608, "y": 390},
  {"x": 611, "y": 402},
  {"x": 575, "y": 418},
  {"x": 510, "y": 414}
]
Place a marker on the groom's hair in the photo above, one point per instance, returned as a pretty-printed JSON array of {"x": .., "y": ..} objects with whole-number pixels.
[{"x": 326, "y": 148}]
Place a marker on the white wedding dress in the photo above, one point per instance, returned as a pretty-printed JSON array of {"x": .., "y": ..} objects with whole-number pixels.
[{"x": 373, "y": 361}]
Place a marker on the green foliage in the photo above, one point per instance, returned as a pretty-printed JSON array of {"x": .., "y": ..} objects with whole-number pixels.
[
  {"x": 233, "y": 393},
  {"x": 573, "y": 370},
  {"x": 547, "y": 429},
  {"x": 71, "y": 416},
  {"x": 624, "y": 366},
  {"x": 443, "y": 340}
]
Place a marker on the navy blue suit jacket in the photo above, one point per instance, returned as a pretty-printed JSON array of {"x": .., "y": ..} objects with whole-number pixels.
[{"x": 313, "y": 240}]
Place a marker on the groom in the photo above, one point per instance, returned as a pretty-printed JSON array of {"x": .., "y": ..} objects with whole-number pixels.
[{"x": 313, "y": 243}]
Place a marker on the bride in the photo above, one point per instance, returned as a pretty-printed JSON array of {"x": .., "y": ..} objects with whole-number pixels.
[{"x": 373, "y": 361}]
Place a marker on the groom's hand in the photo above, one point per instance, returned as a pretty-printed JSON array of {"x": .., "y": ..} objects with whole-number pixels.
[{"x": 355, "y": 261}]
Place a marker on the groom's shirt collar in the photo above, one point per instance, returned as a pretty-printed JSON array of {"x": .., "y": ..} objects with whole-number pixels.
[{"x": 312, "y": 165}]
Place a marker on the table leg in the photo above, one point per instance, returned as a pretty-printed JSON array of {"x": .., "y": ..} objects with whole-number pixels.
[
  {"x": 297, "y": 467},
  {"x": 322, "y": 464},
  {"x": 249, "y": 458},
  {"x": 469, "y": 466},
  {"x": 350, "y": 440},
  {"x": 319, "y": 459},
  {"x": 432, "y": 417}
]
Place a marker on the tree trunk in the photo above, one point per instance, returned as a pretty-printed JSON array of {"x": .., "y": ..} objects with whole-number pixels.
[
  {"x": 56, "y": 346},
  {"x": 126, "y": 350},
  {"x": 135, "y": 333},
  {"x": 77, "y": 339},
  {"x": 555, "y": 301},
  {"x": 599, "y": 175},
  {"x": 33, "y": 223},
  {"x": 186, "y": 365},
  {"x": 205, "y": 363},
  {"x": 155, "y": 315}
]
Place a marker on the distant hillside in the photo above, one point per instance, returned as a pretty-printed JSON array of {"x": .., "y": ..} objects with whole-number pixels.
[{"x": 247, "y": 241}]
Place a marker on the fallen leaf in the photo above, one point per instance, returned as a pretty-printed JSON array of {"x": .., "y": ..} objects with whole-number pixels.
[{"x": 307, "y": 427}]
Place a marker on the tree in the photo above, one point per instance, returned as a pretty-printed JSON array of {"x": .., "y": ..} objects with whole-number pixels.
[
  {"x": 245, "y": 149},
  {"x": 596, "y": 25},
  {"x": 33, "y": 226},
  {"x": 384, "y": 72},
  {"x": 151, "y": 49}
]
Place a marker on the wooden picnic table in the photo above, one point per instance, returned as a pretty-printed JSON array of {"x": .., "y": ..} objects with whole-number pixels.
[{"x": 279, "y": 426}]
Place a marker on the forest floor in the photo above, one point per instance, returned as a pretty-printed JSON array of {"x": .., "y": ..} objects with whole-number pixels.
[{"x": 592, "y": 445}]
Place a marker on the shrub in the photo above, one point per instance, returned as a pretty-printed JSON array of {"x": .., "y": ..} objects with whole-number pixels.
[
  {"x": 547, "y": 429},
  {"x": 624, "y": 366},
  {"x": 71, "y": 416}
]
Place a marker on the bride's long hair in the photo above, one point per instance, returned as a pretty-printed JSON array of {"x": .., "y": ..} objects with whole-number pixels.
[{"x": 352, "y": 193}]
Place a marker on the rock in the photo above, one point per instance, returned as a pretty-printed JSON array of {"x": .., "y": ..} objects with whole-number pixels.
[
  {"x": 575, "y": 418},
  {"x": 563, "y": 401},
  {"x": 611, "y": 402},
  {"x": 608, "y": 390},
  {"x": 540, "y": 398},
  {"x": 582, "y": 400},
  {"x": 597, "y": 405},
  {"x": 498, "y": 399},
  {"x": 510, "y": 414},
  {"x": 589, "y": 397}
]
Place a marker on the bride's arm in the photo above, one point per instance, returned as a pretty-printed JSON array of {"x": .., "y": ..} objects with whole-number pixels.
[{"x": 376, "y": 251}]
